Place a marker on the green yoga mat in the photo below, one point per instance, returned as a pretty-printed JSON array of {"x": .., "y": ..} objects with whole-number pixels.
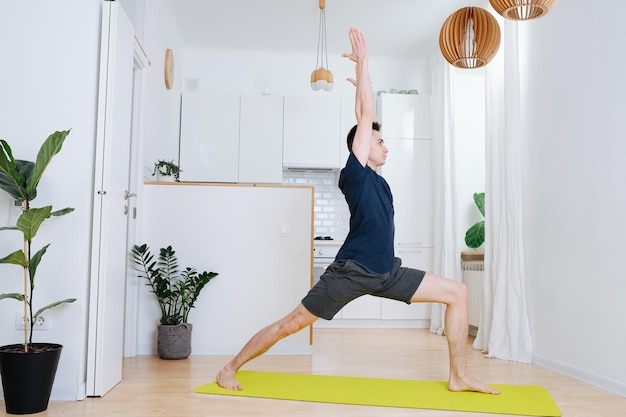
[{"x": 526, "y": 400}]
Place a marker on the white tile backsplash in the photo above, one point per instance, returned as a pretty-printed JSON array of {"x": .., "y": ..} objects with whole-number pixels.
[{"x": 331, "y": 214}]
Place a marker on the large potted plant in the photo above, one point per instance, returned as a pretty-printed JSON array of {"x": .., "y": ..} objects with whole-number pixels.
[
  {"x": 28, "y": 369},
  {"x": 176, "y": 292}
]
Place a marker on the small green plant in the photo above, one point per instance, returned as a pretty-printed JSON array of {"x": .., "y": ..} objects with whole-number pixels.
[
  {"x": 475, "y": 235},
  {"x": 20, "y": 179},
  {"x": 167, "y": 168},
  {"x": 176, "y": 291}
]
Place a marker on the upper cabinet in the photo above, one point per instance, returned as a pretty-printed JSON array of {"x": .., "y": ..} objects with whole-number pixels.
[
  {"x": 312, "y": 130},
  {"x": 209, "y": 132},
  {"x": 404, "y": 116},
  {"x": 261, "y": 139},
  {"x": 405, "y": 122},
  {"x": 231, "y": 138},
  {"x": 348, "y": 120},
  {"x": 409, "y": 174}
]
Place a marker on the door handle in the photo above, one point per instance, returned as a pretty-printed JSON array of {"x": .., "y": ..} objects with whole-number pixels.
[{"x": 128, "y": 195}]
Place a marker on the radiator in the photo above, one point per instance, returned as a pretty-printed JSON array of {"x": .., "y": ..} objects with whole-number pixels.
[{"x": 473, "y": 277}]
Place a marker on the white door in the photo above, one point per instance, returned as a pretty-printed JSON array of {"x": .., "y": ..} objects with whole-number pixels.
[{"x": 110, "y": 220}]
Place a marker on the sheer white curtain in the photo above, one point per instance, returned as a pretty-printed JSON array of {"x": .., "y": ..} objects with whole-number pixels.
[
  {"x": 446, "y": 260},
  {"x": 504, "y": 330}
]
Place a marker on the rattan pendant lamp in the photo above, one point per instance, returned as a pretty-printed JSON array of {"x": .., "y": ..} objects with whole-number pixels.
[
  {"x": 522, "y": 9},
  {"x": 321, "y": 77},
  {"x": 469, "y": 38}
]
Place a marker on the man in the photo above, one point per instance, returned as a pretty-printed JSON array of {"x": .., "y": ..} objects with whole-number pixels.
[{"x": 365, "y": 264}]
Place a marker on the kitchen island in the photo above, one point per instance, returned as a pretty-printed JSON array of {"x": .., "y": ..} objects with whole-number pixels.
[{"x": 257, "y": 237}]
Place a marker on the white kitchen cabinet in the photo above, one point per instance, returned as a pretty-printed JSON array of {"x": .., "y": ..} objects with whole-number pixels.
[
  {"x": 348, "y": 120},
  {"x": 369, "y": 307},
  {"x": 261, "y": 139},
  {"x": 404, "y": 116},
  {"x": 231, "y": 138},
  {"x": 412, "y": 257},
  {"x": 311, "y": 132},
  {"x": 406, "y": 130},
  {"x": 364, "y": 307},
  {"x": 408, "y": 172},
  {"x": 209, "y": 138}
]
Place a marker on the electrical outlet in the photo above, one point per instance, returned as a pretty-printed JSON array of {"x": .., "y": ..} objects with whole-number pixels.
[
  {"x": 42, "y": 322},
  {"x": 283, "y": 229}
]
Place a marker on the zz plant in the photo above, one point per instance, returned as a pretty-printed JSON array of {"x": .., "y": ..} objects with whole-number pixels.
[
  {"x": 20, "y": 179},
  {"x": 176, "y": 291}
]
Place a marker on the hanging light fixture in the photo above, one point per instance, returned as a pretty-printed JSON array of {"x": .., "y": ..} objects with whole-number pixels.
[
  {"x": 469, "y": 38},
  {"x": 322, "y": 78},
  {"x": 522, "y": 9}
]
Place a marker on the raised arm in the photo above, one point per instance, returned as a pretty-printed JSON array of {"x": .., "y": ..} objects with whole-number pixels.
[{"x": 364, "y": 101}]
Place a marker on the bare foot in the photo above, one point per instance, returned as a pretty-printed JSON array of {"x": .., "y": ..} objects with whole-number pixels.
[
  {"x": 226, "y": 379},
  {"x": 468, "y": 383}
]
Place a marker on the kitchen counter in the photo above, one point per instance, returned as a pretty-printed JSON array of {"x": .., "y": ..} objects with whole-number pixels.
[
  {"x": 227, "y": 184},
  {"x": 327, "y": 242}
]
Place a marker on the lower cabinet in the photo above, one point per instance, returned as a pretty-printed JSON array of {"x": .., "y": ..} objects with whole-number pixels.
[
  {"x": 366, "y": 307},
  {"x": 412, "y": 257},
  {"x": 370, "y": 311}
]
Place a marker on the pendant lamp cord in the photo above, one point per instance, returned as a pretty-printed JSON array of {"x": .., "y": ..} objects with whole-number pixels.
[{"x": 322, "y": 43}]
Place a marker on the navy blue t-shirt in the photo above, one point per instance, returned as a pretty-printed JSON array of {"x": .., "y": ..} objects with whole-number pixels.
[{"x": 370, "y": 240}]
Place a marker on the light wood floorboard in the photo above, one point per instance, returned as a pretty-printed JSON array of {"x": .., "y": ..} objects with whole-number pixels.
[{"x": 152, "y": 387}]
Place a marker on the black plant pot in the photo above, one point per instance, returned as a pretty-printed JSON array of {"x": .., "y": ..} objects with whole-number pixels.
[
  {"x": 174, "y": 341},
  {"x": 27, "y": 378}
]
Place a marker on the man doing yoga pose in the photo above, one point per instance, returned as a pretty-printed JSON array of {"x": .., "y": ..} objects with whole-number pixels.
[{"x": 365, "y": 263}]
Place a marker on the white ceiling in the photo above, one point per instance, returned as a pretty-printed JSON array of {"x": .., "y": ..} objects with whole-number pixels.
[{"x": 400, "y": 28}]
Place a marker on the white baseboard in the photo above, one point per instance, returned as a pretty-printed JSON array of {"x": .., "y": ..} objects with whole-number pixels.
[
  {"x": 232, "y": 350},
  {"x": 607, "y": 384}
]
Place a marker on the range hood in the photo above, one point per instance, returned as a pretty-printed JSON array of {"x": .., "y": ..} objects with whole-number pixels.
[{"x": 309, "y": 169}]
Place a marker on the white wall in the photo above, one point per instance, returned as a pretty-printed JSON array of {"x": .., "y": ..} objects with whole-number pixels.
[
  {"x": 574, "y": 193},
  {"x": 161, "y": 106},
  {"x": 238, "y": 72},
  {"x": 49, "y": 82}
]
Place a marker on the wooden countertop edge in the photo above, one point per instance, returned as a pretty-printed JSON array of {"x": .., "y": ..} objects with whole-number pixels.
[{"x": 226, "y": 184}]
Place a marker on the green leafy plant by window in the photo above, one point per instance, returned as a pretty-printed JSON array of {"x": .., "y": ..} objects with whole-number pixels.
[{"x": 475, "y": 235}]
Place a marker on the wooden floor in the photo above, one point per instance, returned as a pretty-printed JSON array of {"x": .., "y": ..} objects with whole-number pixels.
[{"x": 152, "y": 387}]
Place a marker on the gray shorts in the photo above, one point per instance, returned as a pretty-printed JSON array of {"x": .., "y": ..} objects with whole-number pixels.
[{"x": 345, "y": 280}]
